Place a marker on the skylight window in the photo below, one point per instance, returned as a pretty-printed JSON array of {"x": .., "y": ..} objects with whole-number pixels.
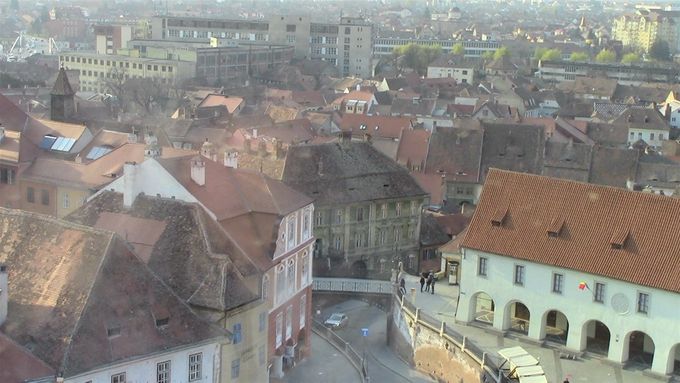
[{"x": 97, "y": 152}]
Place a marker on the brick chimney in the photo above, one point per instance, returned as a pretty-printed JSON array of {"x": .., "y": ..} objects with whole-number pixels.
[
  {"x": 4, "y": 293},
  {"x": 198, "y": 170}
]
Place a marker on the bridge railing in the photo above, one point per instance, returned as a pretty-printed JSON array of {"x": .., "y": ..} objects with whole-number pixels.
[
  {"x": 357, "y": 360},
  {"x": 353, "y": 285},
  {"x": 487, "y": 365}
]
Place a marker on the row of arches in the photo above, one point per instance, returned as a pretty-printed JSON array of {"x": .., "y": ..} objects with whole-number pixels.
[{"x": 596, "y": 336}]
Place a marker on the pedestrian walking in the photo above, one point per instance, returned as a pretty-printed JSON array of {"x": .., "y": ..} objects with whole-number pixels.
[
  {"x": 422, "y": 282},
  {"x": 428, "y": 281},
  {"x": 431, "y": 280},
  {"x": 402, "y": 286}
]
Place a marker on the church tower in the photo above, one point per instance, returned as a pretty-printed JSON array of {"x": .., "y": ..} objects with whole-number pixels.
[{"x": 62, "y": 105}]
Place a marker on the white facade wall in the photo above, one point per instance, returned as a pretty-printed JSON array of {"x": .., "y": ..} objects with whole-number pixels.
[
  {"x": 661, "y": 322},
  {"x": 461, "y": 75},
  {"x": 144, "y": 370},
  {"x": 652, "y": 137}
]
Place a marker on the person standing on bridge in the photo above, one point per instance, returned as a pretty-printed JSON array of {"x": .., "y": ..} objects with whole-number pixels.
[
  {"x": 428, "y": 281},
  {"x": 422, "y": 282}
]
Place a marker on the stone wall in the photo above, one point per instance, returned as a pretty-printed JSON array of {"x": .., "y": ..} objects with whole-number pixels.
[{"x": 430, "y": 350}]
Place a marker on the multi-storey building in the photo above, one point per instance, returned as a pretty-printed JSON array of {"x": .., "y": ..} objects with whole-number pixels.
[
  {"x": 590, "y": 267},
  {"x": 367, "y": 206},
  {"x": 640, "y": 30},
  {"x": 348, "y": 44},
  {"x": 264, "y": 228},
  {"x": 110, "y": 38},
  {"x": 626, "y": 74},
  {"x": 384, "y": 45},
  {"x": 95, "y": 69}
]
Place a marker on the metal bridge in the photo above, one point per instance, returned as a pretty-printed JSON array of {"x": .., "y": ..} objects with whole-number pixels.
[{"x": 371, "y": 286}]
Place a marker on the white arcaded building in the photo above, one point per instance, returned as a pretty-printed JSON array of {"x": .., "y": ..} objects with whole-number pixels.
[{"x": 592, "y": 267}]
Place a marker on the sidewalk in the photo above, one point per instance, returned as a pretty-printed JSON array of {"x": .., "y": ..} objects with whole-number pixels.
[
  {"x": 325, "y": 365},
  {"x": 442, "y": 306}
]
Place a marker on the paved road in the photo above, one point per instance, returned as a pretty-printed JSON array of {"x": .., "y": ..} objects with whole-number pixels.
[
  {"x": 383, "y": 363},
  {"x": 325, "y": 365}
]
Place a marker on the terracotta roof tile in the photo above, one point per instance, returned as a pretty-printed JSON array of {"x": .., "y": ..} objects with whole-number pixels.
[
  {"x": 597, "y": 220},
  {"x": 376, "y": 126},
  {"x": 413, "y": 147}
]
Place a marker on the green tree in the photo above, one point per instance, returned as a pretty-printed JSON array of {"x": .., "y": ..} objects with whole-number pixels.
[
  {"x": 488, "y": 55},
  {"x": 630, "y": 58},
  {"x": 605, "y": 56},
  {"x": 660, "y": 51},
  {"x": 552, "y": 55},
  {"x": 416, "y": 57},
  {"x": 458, "y": 49},
  {"x": 538, "y": 53},
  {"x": 501, "y": 52},
  {"x": 578, "y": 56}
]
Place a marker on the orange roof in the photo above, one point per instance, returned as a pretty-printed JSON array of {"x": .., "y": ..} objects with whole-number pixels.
[
  {"x": 413, "y": 147},
  {"x": 230, "y": 102},
  {"x": 9, "y": 147},
  {"x": 357, "y": 95},
  {"x": 589, "y": 221},
  {"x": 376, "y": 126}
]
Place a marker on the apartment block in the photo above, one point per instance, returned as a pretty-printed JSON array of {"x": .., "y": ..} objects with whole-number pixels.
[
  {"x": 347, "y": 45},
  {"x": 640, "y": 30},
  {"x": 384, "y": 45},
  {"x": 626, "y": 74}
]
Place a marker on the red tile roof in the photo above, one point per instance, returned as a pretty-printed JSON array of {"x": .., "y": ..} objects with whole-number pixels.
[
  {"x": 18, "y": 364},
  {"x": 229, "y": 102},
  {"x": 594, "y": 218},
  {"x": 376, "y": 126},
  {"x": 413, "y": 147}
]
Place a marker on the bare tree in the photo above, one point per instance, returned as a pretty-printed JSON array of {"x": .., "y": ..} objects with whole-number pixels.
[{"x": 114, "y": 83}]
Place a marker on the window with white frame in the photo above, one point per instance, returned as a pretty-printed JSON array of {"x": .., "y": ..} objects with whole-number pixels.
[
  {"x": 319, "y": 218},
  {"x": 643, "y": 303},
  {"x": 383, "y": 211},
  {"x": 66, "y": 201},
  {"x": 279, "y": 329},
  {"x": 598, "y": 295},
  {"x": 236, "y": 333},
  {"x": 338, "y": 242},
  {"x": 263, "y": 321},
  {"x": 305, "y": 269},
  {"x": 303, "y": 310},
  {"x": 291, "y": 276},
  {"x": 280, "y": 281},
  {"x": 338, "y": 216},
  {"x": 558, "y": 283},
  {"x": 306, "y": 224},
  {"x": 235, "y": 368},
  {"x": 163, "y": 372},
  {"x": 398, "y": 209},
  {"x": 289, "y": 322},
  {"x": 397, "y": 234},
  {"x": 481, "y": 266},
  {"x": 118, "y": 378},
  {"x": 291, "y": 232},
  {"x": 414, "y": 208},
  {"x": 265, "y": 287},
  {"x": 195, "y": 366},
  {"x": 519, "y": 275}
]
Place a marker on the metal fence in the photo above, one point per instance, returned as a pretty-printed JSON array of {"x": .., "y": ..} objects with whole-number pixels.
[
  {"x": 352, "y": 355},
  {"x": 487, "y": 365},
  {"x": 353, "y": 285}
]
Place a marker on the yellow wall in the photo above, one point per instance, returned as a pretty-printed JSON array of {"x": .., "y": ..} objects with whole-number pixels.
[
  {"x": 252, "y": 339},
  {"x": 76, "y": 198}
]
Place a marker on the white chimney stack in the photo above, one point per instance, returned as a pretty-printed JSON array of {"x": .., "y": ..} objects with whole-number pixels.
[
  {"x": 198, "y": 170},
  {"x": 231, "y": 159},
  {"x": 4, "y": 294},
  {"x": 2, "y": 134},
  {"x": 129, "y": 184},
  {"x": 254, "y": 132}
]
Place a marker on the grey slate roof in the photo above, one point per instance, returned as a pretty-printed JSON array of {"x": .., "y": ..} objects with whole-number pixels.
[
  {"x": 62, "y": 87},
  {"x": 347, "y": 172},
  {"x": 512, "y": 147}
]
